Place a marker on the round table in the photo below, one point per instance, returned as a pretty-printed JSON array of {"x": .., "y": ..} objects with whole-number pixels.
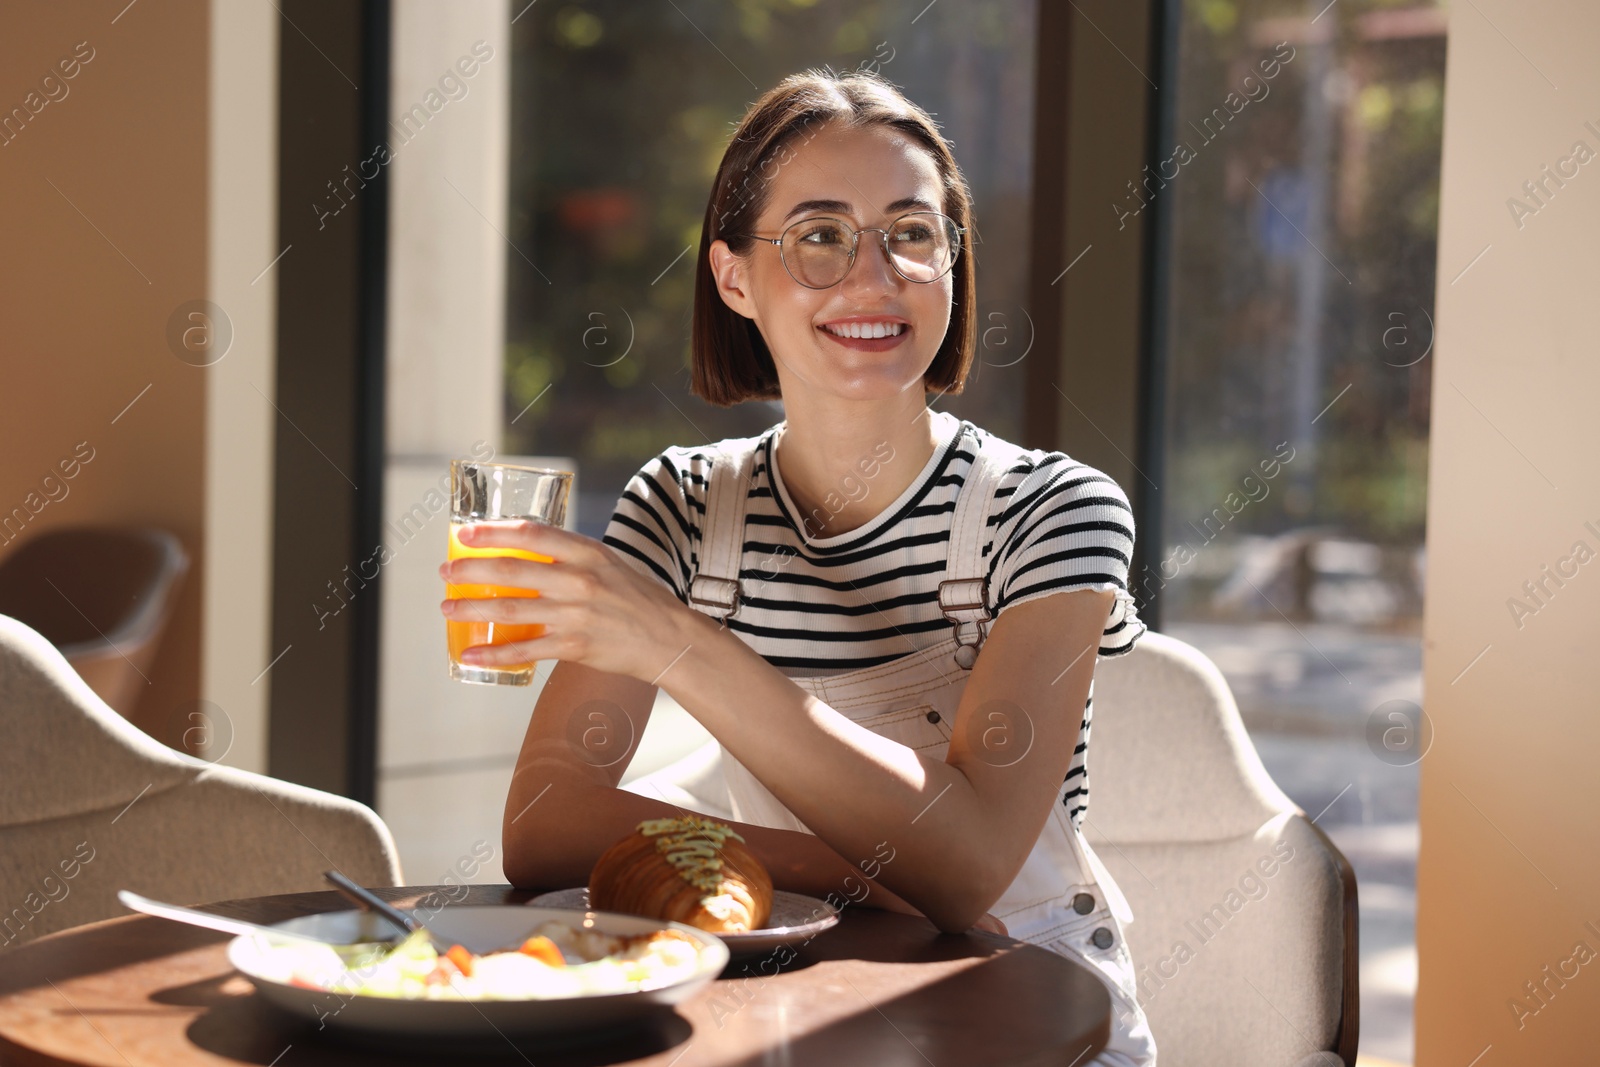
[{"x": 879, "y": 988}]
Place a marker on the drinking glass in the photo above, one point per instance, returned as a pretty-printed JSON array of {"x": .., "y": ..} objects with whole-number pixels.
[{"x": 498, "y": 494}]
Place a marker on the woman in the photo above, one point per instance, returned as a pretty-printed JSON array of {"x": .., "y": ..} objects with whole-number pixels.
[{"x": 816, "y": 596}]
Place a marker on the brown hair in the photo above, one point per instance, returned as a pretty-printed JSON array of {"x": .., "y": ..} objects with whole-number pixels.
[{"x": 731, "y": 361}]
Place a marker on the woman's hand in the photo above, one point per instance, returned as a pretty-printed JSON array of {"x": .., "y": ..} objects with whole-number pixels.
[
  {"x": 991, "y": 924},
  {"x": 597, "y": 610},
  {"x": 884, "y": 900}
]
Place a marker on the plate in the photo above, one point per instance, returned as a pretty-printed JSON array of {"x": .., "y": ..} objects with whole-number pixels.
[
  {"x": 482, "y": 929},
  {"x": 795, "y": 918}
]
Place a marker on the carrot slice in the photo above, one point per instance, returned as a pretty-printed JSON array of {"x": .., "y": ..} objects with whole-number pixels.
[
  {"x": 461, "y": 958},
  {"x": 544, "y": 950}
]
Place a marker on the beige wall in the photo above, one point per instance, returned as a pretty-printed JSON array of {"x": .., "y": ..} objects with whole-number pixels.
[
  {"x": 445, "y": 748},
  {"x": 1509, "y": 872},
  {"x": 446, "y": 312},
  {"x": 241, "y": 424},
  {"x": 105, "y": 200}
]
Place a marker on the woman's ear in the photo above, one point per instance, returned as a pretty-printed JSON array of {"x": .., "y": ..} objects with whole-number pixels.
[{"x": 732, "y": 278}]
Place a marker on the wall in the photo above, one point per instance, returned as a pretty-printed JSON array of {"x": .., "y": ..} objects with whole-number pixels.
[
  {"x": 243, "y": 251},
  {"x": 105, "y": 200},
  {"x": 445, "y": 748},
  {"x": 1508, "y": 875}
]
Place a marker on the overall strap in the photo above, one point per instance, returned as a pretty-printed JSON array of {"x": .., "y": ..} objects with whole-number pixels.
[
  {"x": 715, "y": 588},
  {"x": 964, "y": 593}
]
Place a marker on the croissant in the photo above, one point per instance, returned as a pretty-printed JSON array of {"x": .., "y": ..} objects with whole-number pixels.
[{"x": 690, "y": 870}]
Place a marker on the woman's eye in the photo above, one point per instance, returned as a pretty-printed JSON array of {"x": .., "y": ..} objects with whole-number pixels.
[
  {"x": 822, "y": 235},
  {"x": 914, "y": 233}
]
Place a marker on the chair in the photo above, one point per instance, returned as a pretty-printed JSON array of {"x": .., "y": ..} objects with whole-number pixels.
[
  {"x": 1190, "y": 824},
  {"x": 100, "y": 594},
  {"x": 1214, "y": 857},
  {"x": 92, "y": 805}
]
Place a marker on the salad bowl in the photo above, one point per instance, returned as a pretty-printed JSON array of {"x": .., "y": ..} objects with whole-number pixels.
[{"x": 609, "y": 970}]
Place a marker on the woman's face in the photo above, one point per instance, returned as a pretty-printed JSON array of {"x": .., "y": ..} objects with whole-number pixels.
[{"x": 866, "y": 177}]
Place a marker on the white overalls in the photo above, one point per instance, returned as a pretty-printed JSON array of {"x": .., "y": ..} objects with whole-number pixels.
[{"x": 1063, "y": 899}]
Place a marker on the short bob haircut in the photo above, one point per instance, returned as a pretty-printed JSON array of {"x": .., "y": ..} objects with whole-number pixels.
[{"x": 731, "y": 362}]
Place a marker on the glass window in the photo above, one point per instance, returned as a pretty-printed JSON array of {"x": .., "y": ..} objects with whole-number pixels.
[{"x": 1303, "y": 184}]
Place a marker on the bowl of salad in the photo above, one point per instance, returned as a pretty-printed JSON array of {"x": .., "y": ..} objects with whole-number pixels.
[{"x": 508, "y": 968}]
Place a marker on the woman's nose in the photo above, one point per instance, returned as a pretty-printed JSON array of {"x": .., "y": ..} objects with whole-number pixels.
[{"x": 872, "y": 267}]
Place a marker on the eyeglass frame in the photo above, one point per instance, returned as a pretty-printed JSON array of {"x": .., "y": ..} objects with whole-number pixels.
[{"x": 855, "y": 245}]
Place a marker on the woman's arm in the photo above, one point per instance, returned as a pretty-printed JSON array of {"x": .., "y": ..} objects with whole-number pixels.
[
  {"x": 564, "y": 807},
  {"x": 959, "y": 829}
]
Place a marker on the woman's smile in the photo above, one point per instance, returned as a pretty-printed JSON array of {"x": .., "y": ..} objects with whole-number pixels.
[{"x": 867, "y": 333}]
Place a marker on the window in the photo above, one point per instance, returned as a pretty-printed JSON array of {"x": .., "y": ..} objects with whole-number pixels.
[{"x": 1303, "y": 187}]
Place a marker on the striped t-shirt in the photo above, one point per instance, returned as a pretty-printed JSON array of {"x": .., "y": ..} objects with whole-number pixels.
[{"x": 819, "y": 605}]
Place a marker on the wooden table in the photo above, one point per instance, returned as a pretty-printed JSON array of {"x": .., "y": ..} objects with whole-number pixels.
[{"x": 880, "y": 988}]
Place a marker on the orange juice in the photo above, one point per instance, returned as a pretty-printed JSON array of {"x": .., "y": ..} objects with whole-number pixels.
[{"x": 463, "y": 634}]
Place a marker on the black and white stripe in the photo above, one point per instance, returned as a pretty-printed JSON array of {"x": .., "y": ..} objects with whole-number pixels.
[{"x": 825, "y": 605}]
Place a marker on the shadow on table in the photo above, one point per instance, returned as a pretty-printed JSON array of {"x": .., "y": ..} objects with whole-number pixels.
[
  {"x": 81, "y": 950},
  {"x": 1008, "y": 1007},
  {"x": 250, "y": 1030},
  {"x": 871, "y": 945}
]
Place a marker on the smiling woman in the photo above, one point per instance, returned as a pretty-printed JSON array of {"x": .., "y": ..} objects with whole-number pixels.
[
  {"x": 836, "y": 682},
  {"x": 820, "y": 247}
]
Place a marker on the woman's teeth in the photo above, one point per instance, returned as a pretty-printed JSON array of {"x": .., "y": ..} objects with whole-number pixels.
[{"x": 866, "y": 329}]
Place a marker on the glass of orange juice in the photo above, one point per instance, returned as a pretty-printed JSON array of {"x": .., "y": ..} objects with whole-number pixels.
[{"x": 498, "y": 493}]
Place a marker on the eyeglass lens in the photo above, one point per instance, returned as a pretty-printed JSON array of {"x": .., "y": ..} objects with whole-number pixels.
[{"x": 817, "y": 252}]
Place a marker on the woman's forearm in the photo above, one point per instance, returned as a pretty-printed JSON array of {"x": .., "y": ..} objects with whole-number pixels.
[
  {"x": 803, "y": 863},
  {"x": 553, "y": 840}
]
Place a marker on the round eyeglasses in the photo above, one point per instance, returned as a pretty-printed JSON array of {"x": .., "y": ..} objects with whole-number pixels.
[{"x": 818, "y": 252}]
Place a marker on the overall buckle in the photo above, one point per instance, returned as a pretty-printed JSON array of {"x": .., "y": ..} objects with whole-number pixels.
[
  {"x": 971, "y": 595},
  {"x": 723, "y": 594}
]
